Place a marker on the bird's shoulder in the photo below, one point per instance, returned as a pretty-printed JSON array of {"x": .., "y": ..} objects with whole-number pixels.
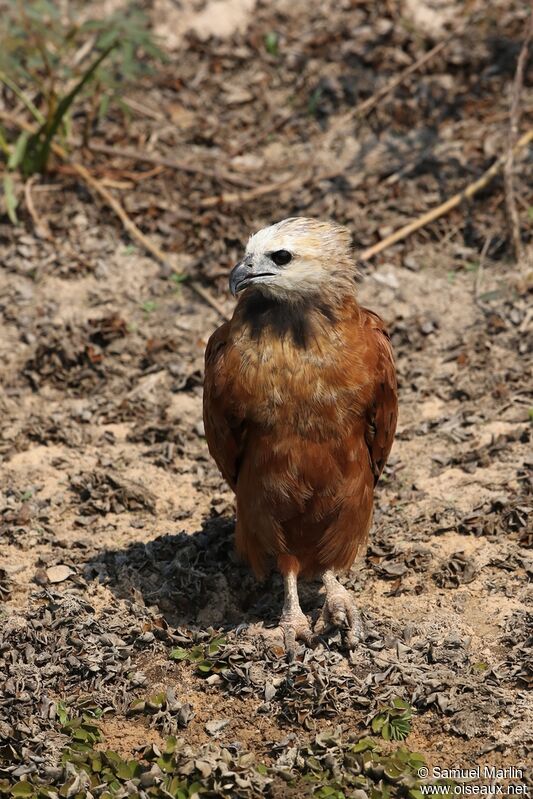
[
  {"x": 216, "y": 343},
  {"x": 375, "y": 334},
  {"x": 373, "y": 321}
]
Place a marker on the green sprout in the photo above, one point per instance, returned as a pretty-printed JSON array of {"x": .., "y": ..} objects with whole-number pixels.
[{"x": 393, "y": 722}]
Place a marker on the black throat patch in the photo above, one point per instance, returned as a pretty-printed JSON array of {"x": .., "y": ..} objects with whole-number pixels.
[{"x": 281, "y": 318}]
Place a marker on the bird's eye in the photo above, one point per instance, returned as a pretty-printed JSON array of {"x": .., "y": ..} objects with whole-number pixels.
[{"x": 281, "y": 257}]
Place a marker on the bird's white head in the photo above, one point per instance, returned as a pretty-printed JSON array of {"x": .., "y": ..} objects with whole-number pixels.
[{"x": 296, "y": 258}]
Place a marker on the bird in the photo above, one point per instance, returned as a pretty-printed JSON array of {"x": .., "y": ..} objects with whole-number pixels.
[{"x": 300, "y": 409}]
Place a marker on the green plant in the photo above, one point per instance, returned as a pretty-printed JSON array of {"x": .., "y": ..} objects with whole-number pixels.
[
  {"x": 272, "y": 43},
  {"x": 393, "y": 722},
  {"x": 314, "y": 101},
  {"x": 204, "y": 656},
  {"x": 49, "y": 60},
  {"x": 335, "y": 769},
  {"x": 177, "y": 278},
  {"x": 149, "y": 306}
]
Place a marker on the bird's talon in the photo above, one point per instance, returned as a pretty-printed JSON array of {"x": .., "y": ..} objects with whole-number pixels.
[
  {"x": 296, "y": 628},
  {"x": 339, "y": 610}
]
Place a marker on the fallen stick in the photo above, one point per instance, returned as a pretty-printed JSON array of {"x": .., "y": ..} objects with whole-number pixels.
[
  {"x": 159, "y": 160},
  {"x": 233, "y": 197},
  {"x": 127, "y": 223},
  {"x": 453, "y": 202}
]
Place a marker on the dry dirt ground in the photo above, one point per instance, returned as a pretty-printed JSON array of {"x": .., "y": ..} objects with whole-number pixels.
[{"x": 117, "y": 566}]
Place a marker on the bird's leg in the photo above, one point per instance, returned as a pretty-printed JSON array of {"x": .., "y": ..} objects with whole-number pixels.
[
  {"x": 339, "y": 610},
  {"x": 293, "y": 620}
]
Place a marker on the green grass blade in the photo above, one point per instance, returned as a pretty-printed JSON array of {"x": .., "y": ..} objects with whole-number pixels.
[
  {"x": 4, "y": 146},
  {"x": 19, "y": 151},
  {"x": 34, "y": 111},
  {"x": 39, "y": 150}
]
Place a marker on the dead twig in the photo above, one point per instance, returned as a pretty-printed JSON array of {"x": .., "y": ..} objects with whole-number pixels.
[
  {"x": 453, "y": 202},
  {"x": 514, "y": 121},
  {"x": 171, "y": 163},
  {"x": 127, "y": 223},
  {"x": 289, "y": 182},
  {"x": 41, "y": 227},
  {"x": 145, "y": 110},
  {"x": 230, "y": 198}
]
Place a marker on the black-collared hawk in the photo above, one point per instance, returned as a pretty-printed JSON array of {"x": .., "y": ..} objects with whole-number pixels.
[{"x": 300, "y": 408}]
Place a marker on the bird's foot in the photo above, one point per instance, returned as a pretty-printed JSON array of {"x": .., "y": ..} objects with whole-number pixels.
[
  {"x": 295, "y": 627},
  {"x": 340, "y": 610}
]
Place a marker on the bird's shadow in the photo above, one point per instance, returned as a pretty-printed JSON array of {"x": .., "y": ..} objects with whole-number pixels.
[{"x": 195, "y": 580}]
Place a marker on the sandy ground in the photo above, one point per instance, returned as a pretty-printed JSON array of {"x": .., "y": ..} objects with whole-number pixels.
[{"x": 106, "y": 474}]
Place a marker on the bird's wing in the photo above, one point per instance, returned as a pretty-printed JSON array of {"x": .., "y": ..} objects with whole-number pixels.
[
  {"x": 382, "y": 414},
  {"x": 224, "y": 430}
]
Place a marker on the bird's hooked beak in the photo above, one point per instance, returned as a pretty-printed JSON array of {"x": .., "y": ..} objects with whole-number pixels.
[{"x": 244, "y": 274}]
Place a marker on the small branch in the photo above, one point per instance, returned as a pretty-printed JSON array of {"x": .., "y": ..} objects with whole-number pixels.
[
  {"x": 41, "y": 227},
  {"x": 144, "y": 110},
  {"x": 453, "y": 202},
  {"x": 171, "y": 163},
  {"x": 514, "y": 121},
  {"x": 234, "y": 197}
]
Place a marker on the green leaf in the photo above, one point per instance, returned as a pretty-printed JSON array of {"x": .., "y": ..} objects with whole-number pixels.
[
  {"x": 401, "y": 703},
  {"x": 158, "y": 700},
  {"x": 378, "y": 722},
  {"x": 196, "y": 654},
  {"x": 179, "y": 653},
  {"x": 215, "y": 645},
  {"x": 128, "y": 770},
  {"x": 400, "y": 729},
  {"x": 272, "y": 43},
  {"x": 108, "y": 39},
  {"x": 104, "y": 105},
  {"x": 364, "y": 745},
  {"x": 166, "y": 763},
  {"x": 62, "y": 712},
  {"x": 22, "y": 789},
  {"x": 11, "y": 199},
  {"x": 4, "y": 146}
]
